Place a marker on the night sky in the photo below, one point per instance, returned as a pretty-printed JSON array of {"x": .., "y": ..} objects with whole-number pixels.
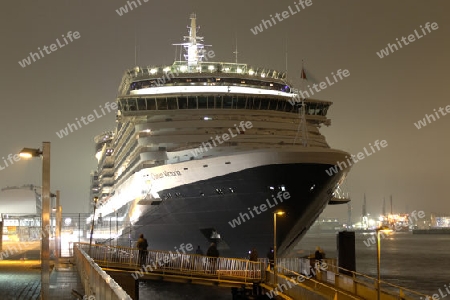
[{"x": 380, "y": 100}]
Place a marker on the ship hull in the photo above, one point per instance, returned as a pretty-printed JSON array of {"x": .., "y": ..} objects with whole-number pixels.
[{"x": 226, "y": 203}]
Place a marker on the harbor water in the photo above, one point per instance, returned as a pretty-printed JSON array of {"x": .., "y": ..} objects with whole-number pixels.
[{"x": 418, "y": 262}]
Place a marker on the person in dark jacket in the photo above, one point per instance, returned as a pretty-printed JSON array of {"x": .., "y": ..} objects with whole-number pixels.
[
  {"x": 318, "y": 255},
  {"x": 212, "y": 251},
  {"x": 253, "y": 255},
  {"x": 213, "y": 254},
  {"x": 270, "y": 256},
  {"x": 142, "y": 245}
]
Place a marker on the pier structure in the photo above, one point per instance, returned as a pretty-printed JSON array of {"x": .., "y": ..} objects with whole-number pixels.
[{"x": 121, "y": 269}]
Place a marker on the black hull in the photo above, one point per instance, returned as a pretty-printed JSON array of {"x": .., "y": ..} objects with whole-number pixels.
[{"x": 188, "y": 214}]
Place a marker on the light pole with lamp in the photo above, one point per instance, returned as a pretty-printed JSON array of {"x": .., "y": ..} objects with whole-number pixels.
[
  {"x": 383, "y": 229},
  {"x": 92, "y": 224},
  {"x": 45, "y": 215},
  {"x": 279, "y": 213}
]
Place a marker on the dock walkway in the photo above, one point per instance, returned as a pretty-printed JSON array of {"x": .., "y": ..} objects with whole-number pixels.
[
  {"x": 21, "y": 280},
  {"x": 292, "y": 280}
]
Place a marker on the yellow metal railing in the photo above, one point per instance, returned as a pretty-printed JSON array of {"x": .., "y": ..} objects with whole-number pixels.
[
  {"x": 167, "y": 262},
  {"x": 360, "y": 282}
]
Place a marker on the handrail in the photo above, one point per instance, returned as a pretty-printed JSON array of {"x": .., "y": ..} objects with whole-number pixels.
[
  {"x": 180, "y": 263},
  {"x": 400, "y": 288},
  {"x": 318, "y": 283}
]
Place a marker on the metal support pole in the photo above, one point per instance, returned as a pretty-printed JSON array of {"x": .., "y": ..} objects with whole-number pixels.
[
  {"x": 378, "y": 266},
  {"x": 79, "y": 228},
  {"x": 275, "y": 248},
  {"x": 45, "y": 247},
  {"x": 1, "y": 233},
  {"x": 92, "y": 225},
  {"x": 58, "y": 228}
]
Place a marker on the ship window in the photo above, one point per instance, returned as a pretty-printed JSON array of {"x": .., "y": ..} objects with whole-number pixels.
[
  {"x": 182, "y": 102},
  {"x": 310, "y": 108},
  {"x": 210, "y": 102},
  {"x": 151, "y": 104},
  {"x": 141, "y": 104},
  {"x": 202, "y": 102},
  {"x": 264, "y": 104},
  {"x": 132, "y": 104},
  {"x": 123, "y": 105},
  {"x": 192, "y": 102},
  {"x": 240, "y": 102},
  {"x": 227, "y": 102},
  {"x": 161, "y": 103},
  {"x": 257, "y": 103},
  {"x": 172, "y": 103},
  {"x": 250, "y": 103}
]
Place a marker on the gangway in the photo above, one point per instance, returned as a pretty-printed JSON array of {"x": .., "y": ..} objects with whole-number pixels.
[
  {"x": 178, "y": 267},
  {"x": 297, "y": 278}
]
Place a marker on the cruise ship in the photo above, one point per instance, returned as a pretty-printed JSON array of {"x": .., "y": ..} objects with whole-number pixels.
[{"x": 208, "y": 152}]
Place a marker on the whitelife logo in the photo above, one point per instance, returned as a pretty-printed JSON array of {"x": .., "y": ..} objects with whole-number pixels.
[
  {"x": 411, "y": 38},
  {"x": 124, "y": 9},
  {"x": 318, "y": 87},
  {"x": 263, "y": 207},
  {"x": 53, "y": 47},
  {"x": 203, "y": 148},
  {"x": 10, "y": 158},
  {"x": 161, "y": 261},
  {"x": 343, "y": 165},
  {"x": 86, "y": 120},
  {"x": 281, "y": 17},
  {"x": 423, "y": 122}
]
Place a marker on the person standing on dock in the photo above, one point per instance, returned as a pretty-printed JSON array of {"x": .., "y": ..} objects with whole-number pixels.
[
  {"x": 253, "y": 255},
  {"x": 142, "y": 245},
  {"x": 270, "y": 256},
  {"x": 199, "y": 251},
  {"x": 213, "y": 253}
]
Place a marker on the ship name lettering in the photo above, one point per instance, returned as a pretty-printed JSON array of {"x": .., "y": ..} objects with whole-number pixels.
[{"x": 165, "y": 174}]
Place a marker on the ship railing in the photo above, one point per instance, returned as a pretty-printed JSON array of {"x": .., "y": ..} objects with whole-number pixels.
[
  {"x": 362, "y": 284},
  {"x": 167, "y": 262},
  {"x": 180, "y": 67}
]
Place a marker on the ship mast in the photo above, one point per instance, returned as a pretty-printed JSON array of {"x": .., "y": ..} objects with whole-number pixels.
[
  {"x": 302, "y": 111},
  {"x": 193, "y": 45}
]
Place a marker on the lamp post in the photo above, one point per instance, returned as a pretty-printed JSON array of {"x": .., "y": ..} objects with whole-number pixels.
[
  {"x": 92, "y": 224},
  {"x": 383, "y": 229},
  {"x": 280, "y": 213},
  {"x": 58, "y": 228},
  {"x": 45, "y": 215}
]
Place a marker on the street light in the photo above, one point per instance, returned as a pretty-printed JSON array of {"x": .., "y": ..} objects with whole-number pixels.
[
  {"x": 92, "y": 224},
  {"x": 279, "y": 213},
  {"x": 383, "y": 229},
  {"x": 45, "y": 215}
]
